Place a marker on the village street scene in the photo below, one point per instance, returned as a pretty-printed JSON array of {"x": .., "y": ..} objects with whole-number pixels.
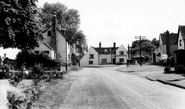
[{"x": 92, "y": 54}]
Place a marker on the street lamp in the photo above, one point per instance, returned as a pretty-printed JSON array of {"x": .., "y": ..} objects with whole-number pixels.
[{"x": 140, "y": 37}]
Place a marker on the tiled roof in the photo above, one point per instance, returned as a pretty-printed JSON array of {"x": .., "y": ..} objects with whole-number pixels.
[
  {"x": 172, "y": 38},
  {"x": 107, "y": 49}
]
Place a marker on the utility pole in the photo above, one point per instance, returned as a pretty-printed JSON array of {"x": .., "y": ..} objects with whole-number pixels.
[{"x": 140, "y": 37}]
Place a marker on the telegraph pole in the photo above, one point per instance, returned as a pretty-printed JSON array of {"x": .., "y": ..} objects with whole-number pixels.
[{"x": 140, "y": 37}]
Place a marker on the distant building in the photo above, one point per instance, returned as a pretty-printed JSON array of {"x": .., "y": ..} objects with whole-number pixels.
[
  {"x": 167, "y": 46},
  {"x": 181, "y": 37},
  {"x": 104, "y": 55}
]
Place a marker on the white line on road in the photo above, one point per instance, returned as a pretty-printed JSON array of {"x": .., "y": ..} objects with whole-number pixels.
[{"x": 134, "y": 92}]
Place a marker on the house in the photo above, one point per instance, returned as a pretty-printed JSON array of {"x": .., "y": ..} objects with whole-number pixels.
[
  {"x": 179, "y": 59},
  {"x": 104, "y": 55},
  {"x": 167, "y": 46},
  {"x": 181, "y": 37},
  {"x": 55, "y": 44}
]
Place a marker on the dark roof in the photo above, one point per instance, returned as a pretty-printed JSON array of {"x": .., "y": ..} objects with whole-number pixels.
[
  {"x": 182, "y": 30},
  {"x": 172, "y": 38},
  {"x": 102, "y": 49}
]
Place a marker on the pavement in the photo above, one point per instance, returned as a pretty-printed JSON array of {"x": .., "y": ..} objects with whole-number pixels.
[{"x": 156, "y": 73}]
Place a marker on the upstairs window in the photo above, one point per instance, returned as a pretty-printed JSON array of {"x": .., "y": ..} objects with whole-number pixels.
[
  {"x": 91, "y": 56},
  {"x": 46, "y": 52},
  {"x": 180, "y": 42},
  {"x": 36, "y": 52},
  {"x": 49, "y": 33},
  {"x": 121, "y": 53}
]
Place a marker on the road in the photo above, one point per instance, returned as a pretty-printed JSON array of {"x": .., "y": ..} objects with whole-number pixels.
[{"x": 106, "y": 88}]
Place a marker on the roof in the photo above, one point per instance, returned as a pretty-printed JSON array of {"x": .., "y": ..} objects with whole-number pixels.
[
  {"x": 58, "y": 31},
  {"x": 48, "y": 46},
  {"x": 172, "y": 38},
  {"x": 107, "y": 49},
  {"x": 182, "y": 30}
]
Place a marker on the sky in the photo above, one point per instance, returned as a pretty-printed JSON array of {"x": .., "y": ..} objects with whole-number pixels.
[{"x": 120, "y": 21}]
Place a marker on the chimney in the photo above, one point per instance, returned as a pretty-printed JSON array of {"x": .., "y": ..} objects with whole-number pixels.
[
  {"x": 100, "y": 44},
  {"x": 114, "y": 44}
]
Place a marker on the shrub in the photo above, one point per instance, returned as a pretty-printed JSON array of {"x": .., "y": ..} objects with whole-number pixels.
[{"x": 167, "y": 69}]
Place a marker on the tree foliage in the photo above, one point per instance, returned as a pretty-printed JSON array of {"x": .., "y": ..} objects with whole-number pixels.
[
  {"x": 155, "y": 42},
  {"x": 19, "y": 24},
  {"x": 146, "y": 46},
  {"x": 67, "y": 18}
]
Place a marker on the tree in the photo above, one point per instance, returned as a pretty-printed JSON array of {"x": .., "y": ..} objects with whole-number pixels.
[
  {"x": 155, "y": 42},
  {"x": 19, "y": 24},
  {"x": 146, "y": 47},
  {"x": 67, "y": 18}
]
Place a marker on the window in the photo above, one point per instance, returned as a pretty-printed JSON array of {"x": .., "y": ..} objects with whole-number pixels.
[
  {"x": 90, "y": 62},
  {"x": 36, "y": 52},
  {"x": 121, "y": 53},
  {"x": 105, "y": 51},
  {"x": 49, "y": 33},
  {"x": 46, "y": 52},
  {"x": 180, "y": 42},
  {"x": 91, "y": 56}
]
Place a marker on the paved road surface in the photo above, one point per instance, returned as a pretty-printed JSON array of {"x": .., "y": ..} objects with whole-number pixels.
[{"x": 105, "y": 88}]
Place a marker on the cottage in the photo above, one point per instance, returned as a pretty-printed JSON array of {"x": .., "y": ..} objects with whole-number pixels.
[
  {"x": 167, "y": 46},
  {"x": 55, "y": 44}
]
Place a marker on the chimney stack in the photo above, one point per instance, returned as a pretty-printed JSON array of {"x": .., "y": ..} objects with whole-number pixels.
[
  {"x": 100, "y": 44},
  {"x": 114, "y": 44}
]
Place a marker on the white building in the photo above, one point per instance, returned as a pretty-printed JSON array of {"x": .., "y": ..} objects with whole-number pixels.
[
  {"x": 104, "y": 55},
  {"x": 55, "y": 44}
]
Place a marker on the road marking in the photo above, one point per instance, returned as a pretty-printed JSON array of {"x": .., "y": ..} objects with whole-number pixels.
[{"x": 134, "y": 92}]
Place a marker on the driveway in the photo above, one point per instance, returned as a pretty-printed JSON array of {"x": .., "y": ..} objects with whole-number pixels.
[{"x": 106, "y": 88}]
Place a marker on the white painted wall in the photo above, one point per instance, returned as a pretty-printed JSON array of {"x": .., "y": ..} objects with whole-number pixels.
[
  {"x": 85, "y": 59},
  {"x": 182, "y": 42},
  {"x": 118, "y": 56},
  {"x": 62, "y": 47},
  {"x": 105, "y": 56},
  {"x": 42, "y": 47},
  {"x": 173, "y": 48}
]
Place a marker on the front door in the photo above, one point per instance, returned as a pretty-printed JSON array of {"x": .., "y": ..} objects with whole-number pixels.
[
  {"x": 114, "y": 61},
  {"x": 121, "y": 60}
]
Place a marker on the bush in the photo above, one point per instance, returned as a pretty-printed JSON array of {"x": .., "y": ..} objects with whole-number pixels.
[
  {"x": 30, "y": 59},
  {"x": 180, "y": 69},
  {"x": 167, "y": 69}
]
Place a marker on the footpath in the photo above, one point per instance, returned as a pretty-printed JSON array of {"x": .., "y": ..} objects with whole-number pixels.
[{"x": 156, "y": 73}]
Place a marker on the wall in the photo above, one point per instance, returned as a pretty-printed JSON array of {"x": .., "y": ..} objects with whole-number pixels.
[
  {"x": 85, "y": 59},
  {"x": 182, "y": 42},
  {"x": 105, "y": 56},
  {"x": 43, "y": 47},
  {"x": 61, "y": 46},
  {"x": 173, "y": 48},
  {"x": 118, "y": 56}
]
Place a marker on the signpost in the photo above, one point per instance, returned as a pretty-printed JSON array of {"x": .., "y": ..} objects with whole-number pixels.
[{"x": 140, "y": 37}]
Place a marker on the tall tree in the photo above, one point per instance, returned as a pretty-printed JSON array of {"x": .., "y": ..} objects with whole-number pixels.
[
  {"x": 146, "y": 47},
  {"x": 19, "y": 24},
  {"x": 155, "y": 42},
  {"x": 67, "y": 18}
]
